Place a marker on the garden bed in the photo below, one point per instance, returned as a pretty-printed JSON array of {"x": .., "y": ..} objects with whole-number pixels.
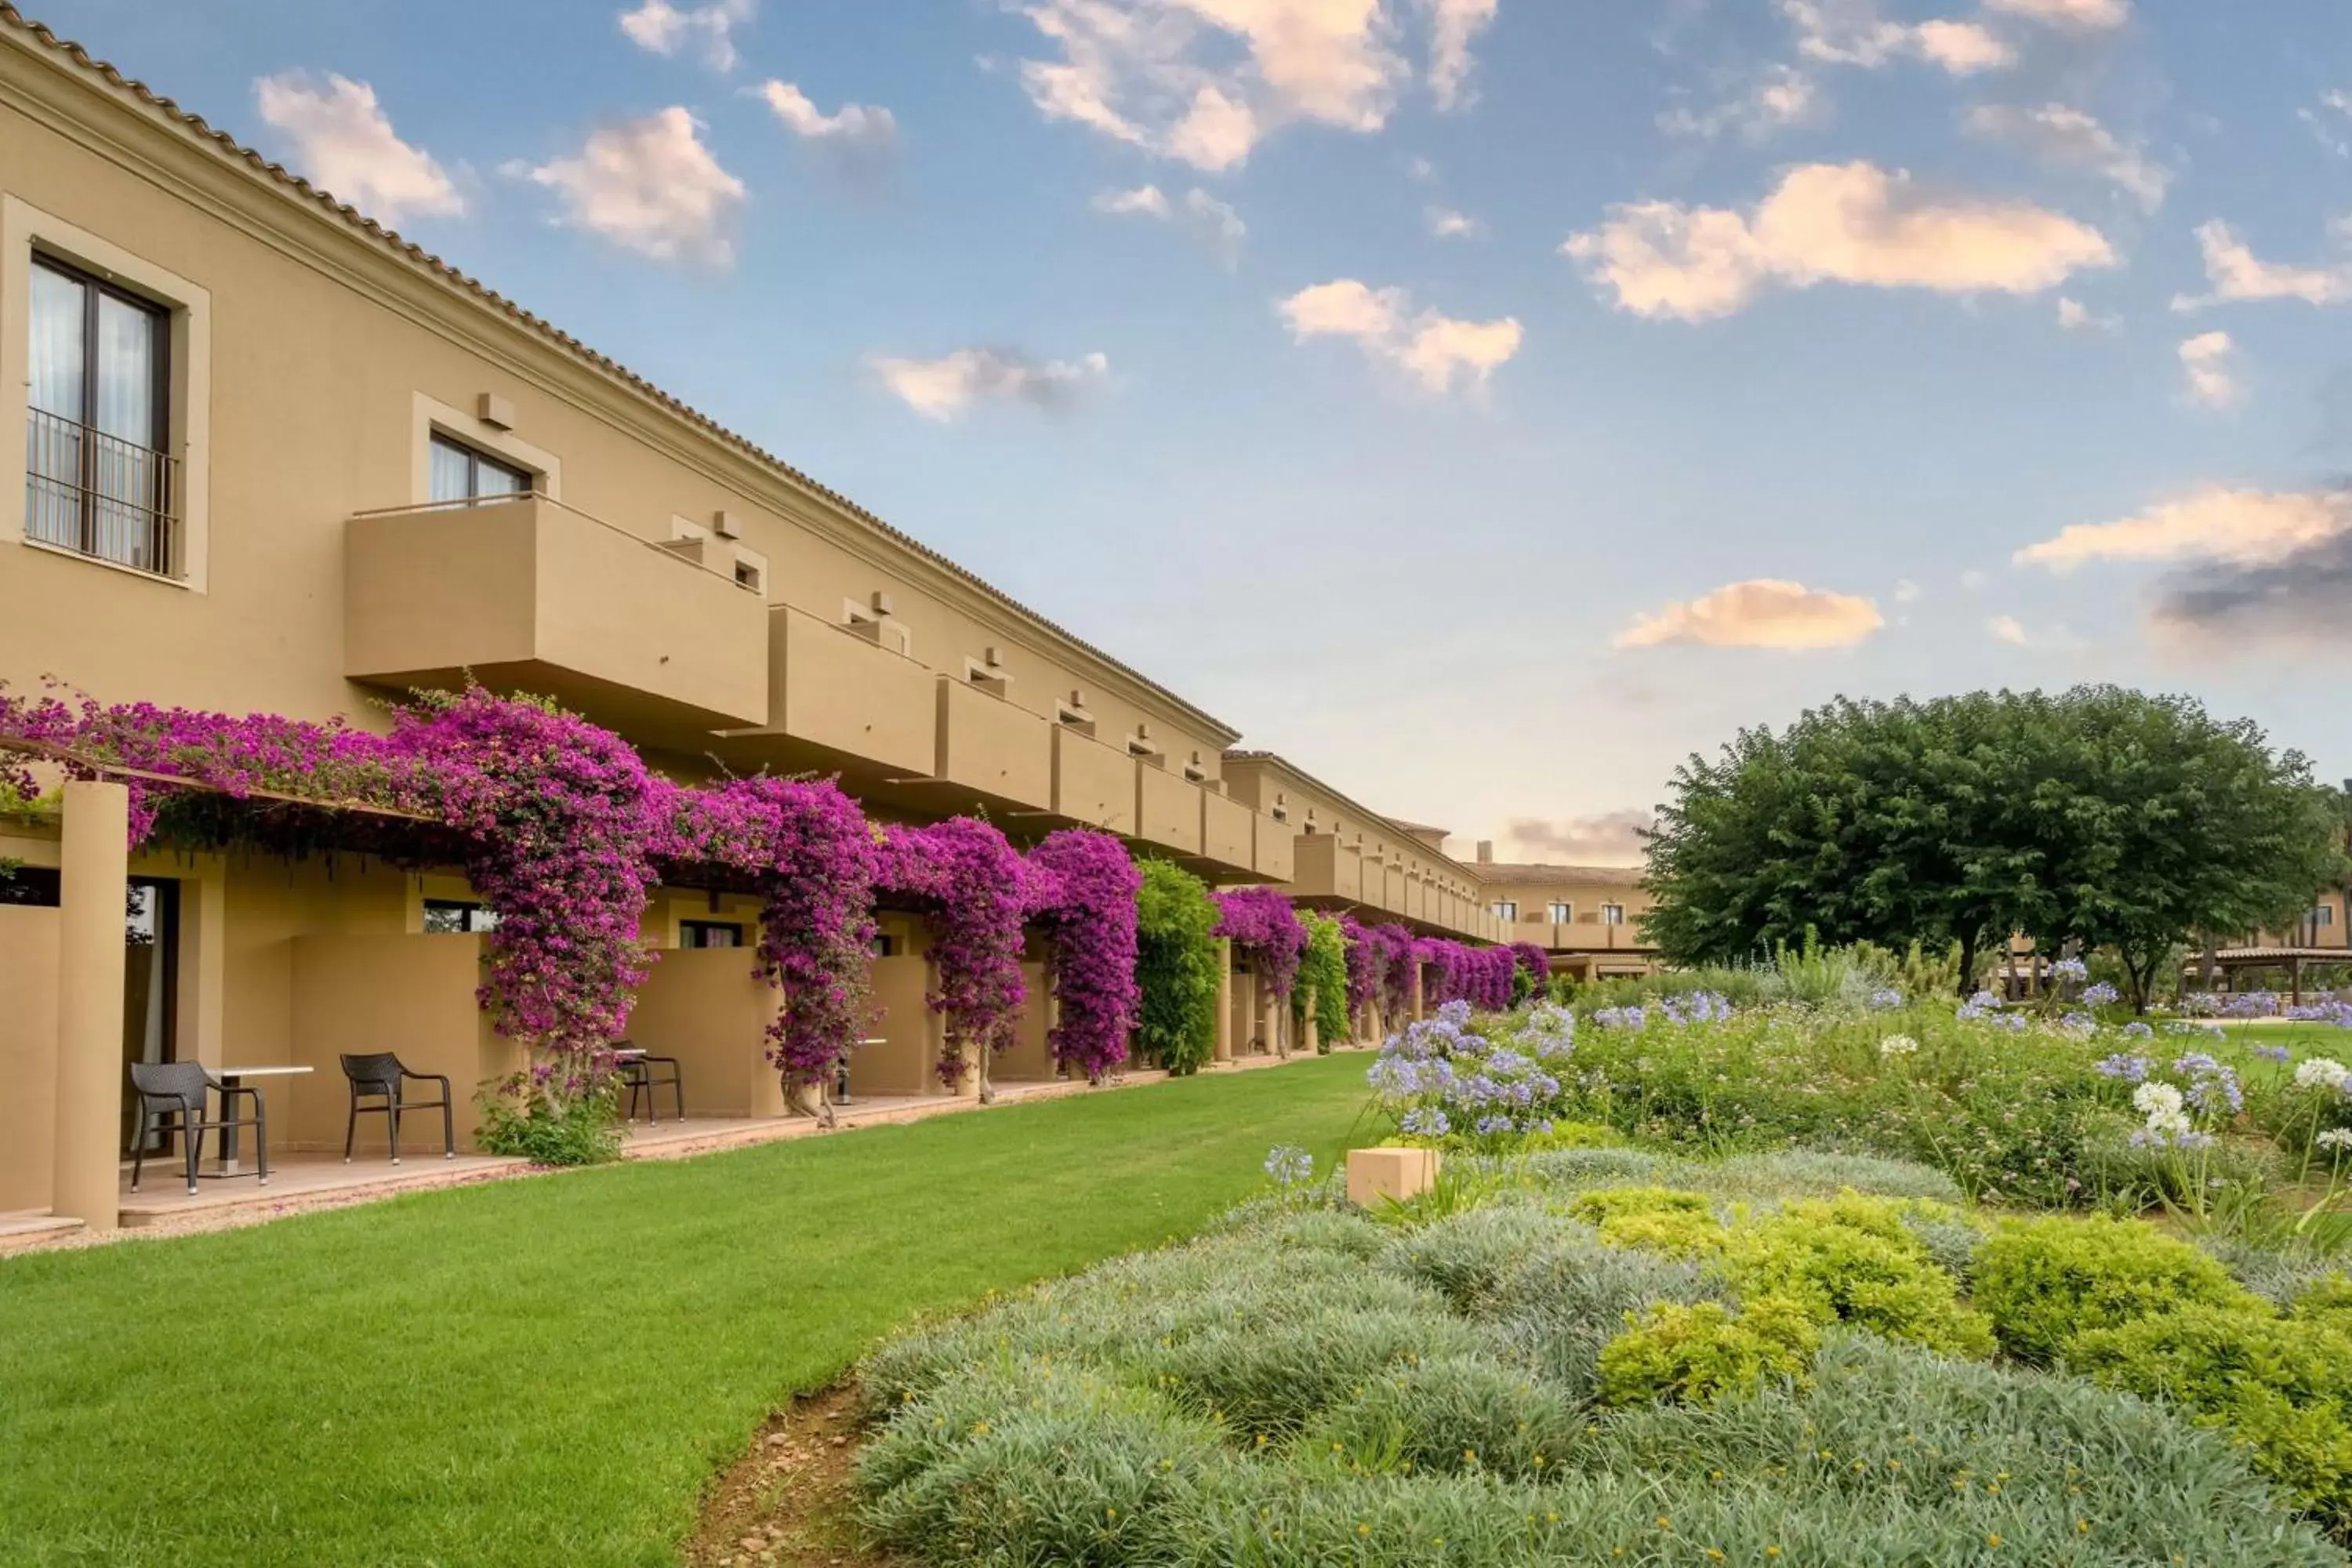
[{"x": 1603, "y": 1356}]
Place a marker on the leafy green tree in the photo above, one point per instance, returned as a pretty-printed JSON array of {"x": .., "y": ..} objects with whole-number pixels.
[
  {"x": 1322, "y": 973},
  {"x": 2099, "y": 815},
  {"x": 1176, "y": 967},
  {"x": 2165, "y": 822}
]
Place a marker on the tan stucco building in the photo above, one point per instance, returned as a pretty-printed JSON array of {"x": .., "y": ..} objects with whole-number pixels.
[{"x": 278, "y": 460}]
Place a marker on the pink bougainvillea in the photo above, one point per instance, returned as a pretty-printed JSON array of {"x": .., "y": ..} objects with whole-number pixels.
[
  {"x": 1363, "y": 965},
  {"x": 555, "y": 815},
  {"x": 1265, "y": 932},
  {"x": 976, "y": 889},
  {"x": 1534, "y": 964},
  {"x": 1090, "y": 917},
  {"x": 811, "y": 856},
  {"x": 1393, "y": 964},
  {"x": 1457, "y": 971},
  {"x": 561, "y": 829}
]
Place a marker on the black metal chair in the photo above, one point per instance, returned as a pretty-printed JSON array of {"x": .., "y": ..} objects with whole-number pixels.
[
  {"x": 171, "y": 1100},
  {"x": 381, "y": 1076},
  {"x": 638, "y": 1077}
]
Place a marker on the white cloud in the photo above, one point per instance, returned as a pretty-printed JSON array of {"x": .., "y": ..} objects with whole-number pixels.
[
  {"x": 1963, "y": 48},
  {"x": 1203, "y": 80},
  {"x": 1780, "y": 96},
  {"x": 2070, "y": 139},
  {"x": 1447, "y": 224},
  {"x": 1853, "y": 33},
  {"x": 2081, "y": 16},
  {"x": 2210, "y": 363},
  {"x": 651, "y": 186},
  {"x": 2074, "y": 316},
  {"x": 2236, "y": 273},
  {"x": 666, "y": 29},
  {"x": 858, "y": 140},
  {"x": 1211, "y": 222},
  {"x": 1453, "y": 25},
  {"x": 2009, "y": 629},
  {"x": 2014, "y": 631},
  {"x": 1974, "y": 578},
  {"x": 344, "y": 144},
  {"x": 1420, "y": 169},
  {"x": 1146, "y": 201},
  {"x": 2242, "y": 528},
  {"x": 1764, "y": 612},
  {"x": 857, "y": 122},
  {"x": 2337, "y": 139},
  {"x": 1437, "y": 352},
  {"x": 1830, "y": 223},
  {"x": 1906, "y": 592},
  {"x": 945, "y": 388}
]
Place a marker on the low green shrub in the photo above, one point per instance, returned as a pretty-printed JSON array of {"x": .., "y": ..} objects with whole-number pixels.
[
  {"x": 1690, "y": 1355},
  {"x": 2282, "y": 1387},
  {"x": 1851, "y": 1259},
  {"x": 1655, "y": 1219},
  {"x": 2325, "y": 1300},
  {"x": 2042, "y": 1281},
  {"x": 1571, "y": 1296},
  {"x": 1464, "y": 1256},
  {"x": 1469, "y": 1414},
  {"x": 585, "y": 1131}
]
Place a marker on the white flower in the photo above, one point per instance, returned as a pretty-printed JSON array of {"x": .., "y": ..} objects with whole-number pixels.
[
  {"x": 1897, "y": 1045},
  {"x": 2320, "y": 1072},
  {"x": 2157, "y": 1098},
  {"x": 2169, "y": 1122},
  {"x": 2335, "y": 1138}
]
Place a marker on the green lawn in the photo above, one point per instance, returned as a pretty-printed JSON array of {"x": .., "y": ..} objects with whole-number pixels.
[{"x": 546, "y": 1370}]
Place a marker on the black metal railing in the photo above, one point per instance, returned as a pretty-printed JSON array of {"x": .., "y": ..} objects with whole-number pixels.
[{"x": 102, "y": 495}]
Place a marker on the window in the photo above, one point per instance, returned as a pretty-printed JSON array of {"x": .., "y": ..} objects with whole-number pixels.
[
  {"x": 710, "y": 933},
  {"x": 458, "y": 917},
  {"x": 1612, "y": 914},
  {"x": 748, "y": 576},
  {"x": 1563, "y": 914},
  {"x": 2325, "y": 915},
  {"x": 33, "y": 886},
  {"x": 885, "y": 945},
  {"x": 460, "y": 473},
  {"x": 1505, "y": 909},
  {"x": 96, "y": 479}
]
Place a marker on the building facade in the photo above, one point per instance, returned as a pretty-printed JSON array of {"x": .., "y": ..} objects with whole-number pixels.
[
  {"x": 276, "y": 460},
  {"x": 1587, "y": 918}
]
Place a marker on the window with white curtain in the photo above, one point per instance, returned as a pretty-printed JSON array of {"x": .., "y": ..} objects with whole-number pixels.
[
  {"x": 1612, "y": 914},
  {"x": 1562, "y": 914},
  {"x": 460, "y": 473},
  {"x": 97, "y": 477}
]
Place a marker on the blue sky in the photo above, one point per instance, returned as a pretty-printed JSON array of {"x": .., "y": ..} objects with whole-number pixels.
[{"x": 1571, "y": 383}]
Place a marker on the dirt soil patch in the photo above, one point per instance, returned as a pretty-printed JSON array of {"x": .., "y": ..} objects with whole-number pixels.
[{"x": 790, "y": 1501}]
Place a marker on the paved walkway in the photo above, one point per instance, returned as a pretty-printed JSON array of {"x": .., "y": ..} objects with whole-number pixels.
[{"x": 309, "y": 1183}]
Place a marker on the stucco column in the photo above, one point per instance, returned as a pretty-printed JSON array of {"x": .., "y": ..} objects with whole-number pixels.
[
  {"x": 204, "y": 945},
  {"x": 1313, "y": 1043},
  {"x": 1270, "y": 1009},
  {"x": 1225, "y": 999},
  {"x": 94, "y": 875},
  {"x": 1417, "y": 1009}
]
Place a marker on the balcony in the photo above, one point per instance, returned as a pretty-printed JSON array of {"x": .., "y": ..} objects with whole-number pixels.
[
  {"x": 1168, "y": 810},
  {"x": 1225, "y": 832},
  {"x": 1322, "y": 866},
  {"x": 100, "y": 495},
  {"x": 1093, "y": 784},
  {"x": 1273, "y": 847},
  {"x": 989, "y": 745},
  {"x": 523, "y": 593},
  {"x": 848, "y": 698}
]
